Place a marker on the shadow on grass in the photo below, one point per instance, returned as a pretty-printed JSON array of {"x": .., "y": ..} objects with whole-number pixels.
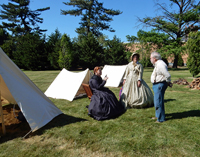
[
  {"x": 167, "y": 100},
  {"x": 178, "y": 69},
  {"x": 81, "y": 96},
  {"x": 180, "y": 115},
  {"x": 20, "y": 130}
]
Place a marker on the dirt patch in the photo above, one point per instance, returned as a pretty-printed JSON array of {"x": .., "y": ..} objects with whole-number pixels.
[{"x": 14, "y": 127}]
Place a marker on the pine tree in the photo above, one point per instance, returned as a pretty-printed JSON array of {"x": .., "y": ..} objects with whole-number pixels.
[
  {"x": 21, "y": 20},
  {"x": 94, "y": 17},
  {"x": 90, "y": 52},
  {"x": 65, "y": 52},
  {"x": 115, "y": 52},
  {"x": 36, "y": 58},
  {"x": 3, "y": 36},
  {"x": 53, "y": 47}
]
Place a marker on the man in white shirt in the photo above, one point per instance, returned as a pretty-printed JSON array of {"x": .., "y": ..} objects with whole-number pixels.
[{"x": 161, "y": 79}]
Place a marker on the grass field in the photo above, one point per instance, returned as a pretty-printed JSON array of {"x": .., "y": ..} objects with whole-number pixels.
[{"x": 134, "y": 133}]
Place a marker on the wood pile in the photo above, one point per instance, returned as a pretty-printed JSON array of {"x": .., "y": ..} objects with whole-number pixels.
[
  {"x": 195, "y": 84},
  {"x": 181, "y": 81}
]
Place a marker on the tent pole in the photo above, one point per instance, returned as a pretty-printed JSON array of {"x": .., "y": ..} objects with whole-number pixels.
[{"x": 2, "y": 117}]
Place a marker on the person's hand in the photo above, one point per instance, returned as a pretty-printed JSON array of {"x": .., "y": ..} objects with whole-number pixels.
[
  {"x": 124, "y": 81},
  {"x": 170, "y": 84},
  {"x": 105, "y": 78},
  {"x": 139, "y": 83}
]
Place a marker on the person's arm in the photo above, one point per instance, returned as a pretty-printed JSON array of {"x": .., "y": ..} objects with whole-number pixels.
[
  {"x": 126, "y": 74},
  {"x": 96, "y": 84},
  {"x": 140, "y": 75}
]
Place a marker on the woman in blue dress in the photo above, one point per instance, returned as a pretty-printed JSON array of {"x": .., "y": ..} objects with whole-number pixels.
[{"x": 104, "y": 104}]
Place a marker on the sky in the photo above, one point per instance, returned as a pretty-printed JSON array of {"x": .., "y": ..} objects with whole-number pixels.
[{"x": 123, "y": 24}]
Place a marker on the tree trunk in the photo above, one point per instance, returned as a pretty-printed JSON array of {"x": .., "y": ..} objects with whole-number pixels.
[{"x": 175, "y": 61}]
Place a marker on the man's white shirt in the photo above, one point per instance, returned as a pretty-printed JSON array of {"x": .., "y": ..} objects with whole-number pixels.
[{"x": 160, "y": 72}]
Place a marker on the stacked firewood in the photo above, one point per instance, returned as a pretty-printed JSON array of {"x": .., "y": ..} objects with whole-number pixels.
[
  {"x": 181, "y": 81},
  {"x": 195, "y": 84}
]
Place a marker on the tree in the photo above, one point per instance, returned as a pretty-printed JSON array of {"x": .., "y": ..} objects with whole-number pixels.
[
  {"x": 176, "y": 23},
  {"x": 65, "y": 52},
  {"x": 90, "y": 52},
  {"x": 193, "y": 49},
  {"x": 149, "y": 41},
  {"x": 30, "y": 52},
  {"x": 3, "y": 36},
  {"x": 52, "y": 48},
  {"x": 94, "y": 17},
  {"x": 21, "y": 20},
  {"x": 115, "y": 52},
  {"x": 6, "y": 43},
  {"x": 8, "y": 47}
]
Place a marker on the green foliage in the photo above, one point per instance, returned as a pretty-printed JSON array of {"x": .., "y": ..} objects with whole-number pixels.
[
  {"x": 177, "y": 23},
  {"x": 65, "y": 51},
  {"x": 90, "y": 52},
  {"x": 30, "y": 52},
  {"x": 180, "y": 60},
  {"x": 148, "y": 41},
  {"x": 3, "y": 36},
  {"x": 6, "y": 42},
  {"x": 21, "y": 18},
  {"x": 94, "y": 17},
  {"x": 52, "y": 48},
  {"x": 165, "y": 60},
  {"x": 131, "y": 39},
  {"x": 115, "y": 52},
  {"x": 145, "y": 61},
  {"x": 153, "y": 37},
  {"x": 193, "y": 49},
  {"x": 9, "y": 47},
  {"x": 128, "y": 56}
]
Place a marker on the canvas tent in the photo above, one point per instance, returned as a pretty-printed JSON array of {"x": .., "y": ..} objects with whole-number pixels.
[
  {"x": 67, "y": 85},
  {"x": 114, "y": 73},
  {"x": 16, "y": 87}
]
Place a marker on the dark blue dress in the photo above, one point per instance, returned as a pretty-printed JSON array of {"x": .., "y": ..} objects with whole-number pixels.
[{"x": 104, "y": 104}]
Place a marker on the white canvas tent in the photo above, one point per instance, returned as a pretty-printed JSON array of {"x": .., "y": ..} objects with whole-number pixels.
[
  {"x": 67, "y": 85},
  {"x": 114, "y": 73},
  {"x": 16, "y": 87}
]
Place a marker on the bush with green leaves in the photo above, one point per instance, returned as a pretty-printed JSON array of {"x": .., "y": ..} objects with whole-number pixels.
[{"x": 193, "y": 49}]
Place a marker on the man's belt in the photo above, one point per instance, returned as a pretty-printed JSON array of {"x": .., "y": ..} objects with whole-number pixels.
[{"x": 159, "y": 82}]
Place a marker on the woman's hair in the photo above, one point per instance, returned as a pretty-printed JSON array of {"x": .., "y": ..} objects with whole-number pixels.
[
  {"x": 96, "y": 69},
  {"x": 156, "y": 55},
  {"x": 136, "y": 54}
]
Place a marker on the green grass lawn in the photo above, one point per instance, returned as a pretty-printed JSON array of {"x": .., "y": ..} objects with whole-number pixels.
[{"x": 134, "y": 133}]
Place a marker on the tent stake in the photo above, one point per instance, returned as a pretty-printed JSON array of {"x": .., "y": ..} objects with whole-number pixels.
[
  {"x": 27, "y": 134},
  {"x": 2, "y": 117}
]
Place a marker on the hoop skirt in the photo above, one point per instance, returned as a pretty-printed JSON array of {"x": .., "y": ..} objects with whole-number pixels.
[
  {"x": 104, "y": 104},
  {"x": 133, "y": 96}
]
